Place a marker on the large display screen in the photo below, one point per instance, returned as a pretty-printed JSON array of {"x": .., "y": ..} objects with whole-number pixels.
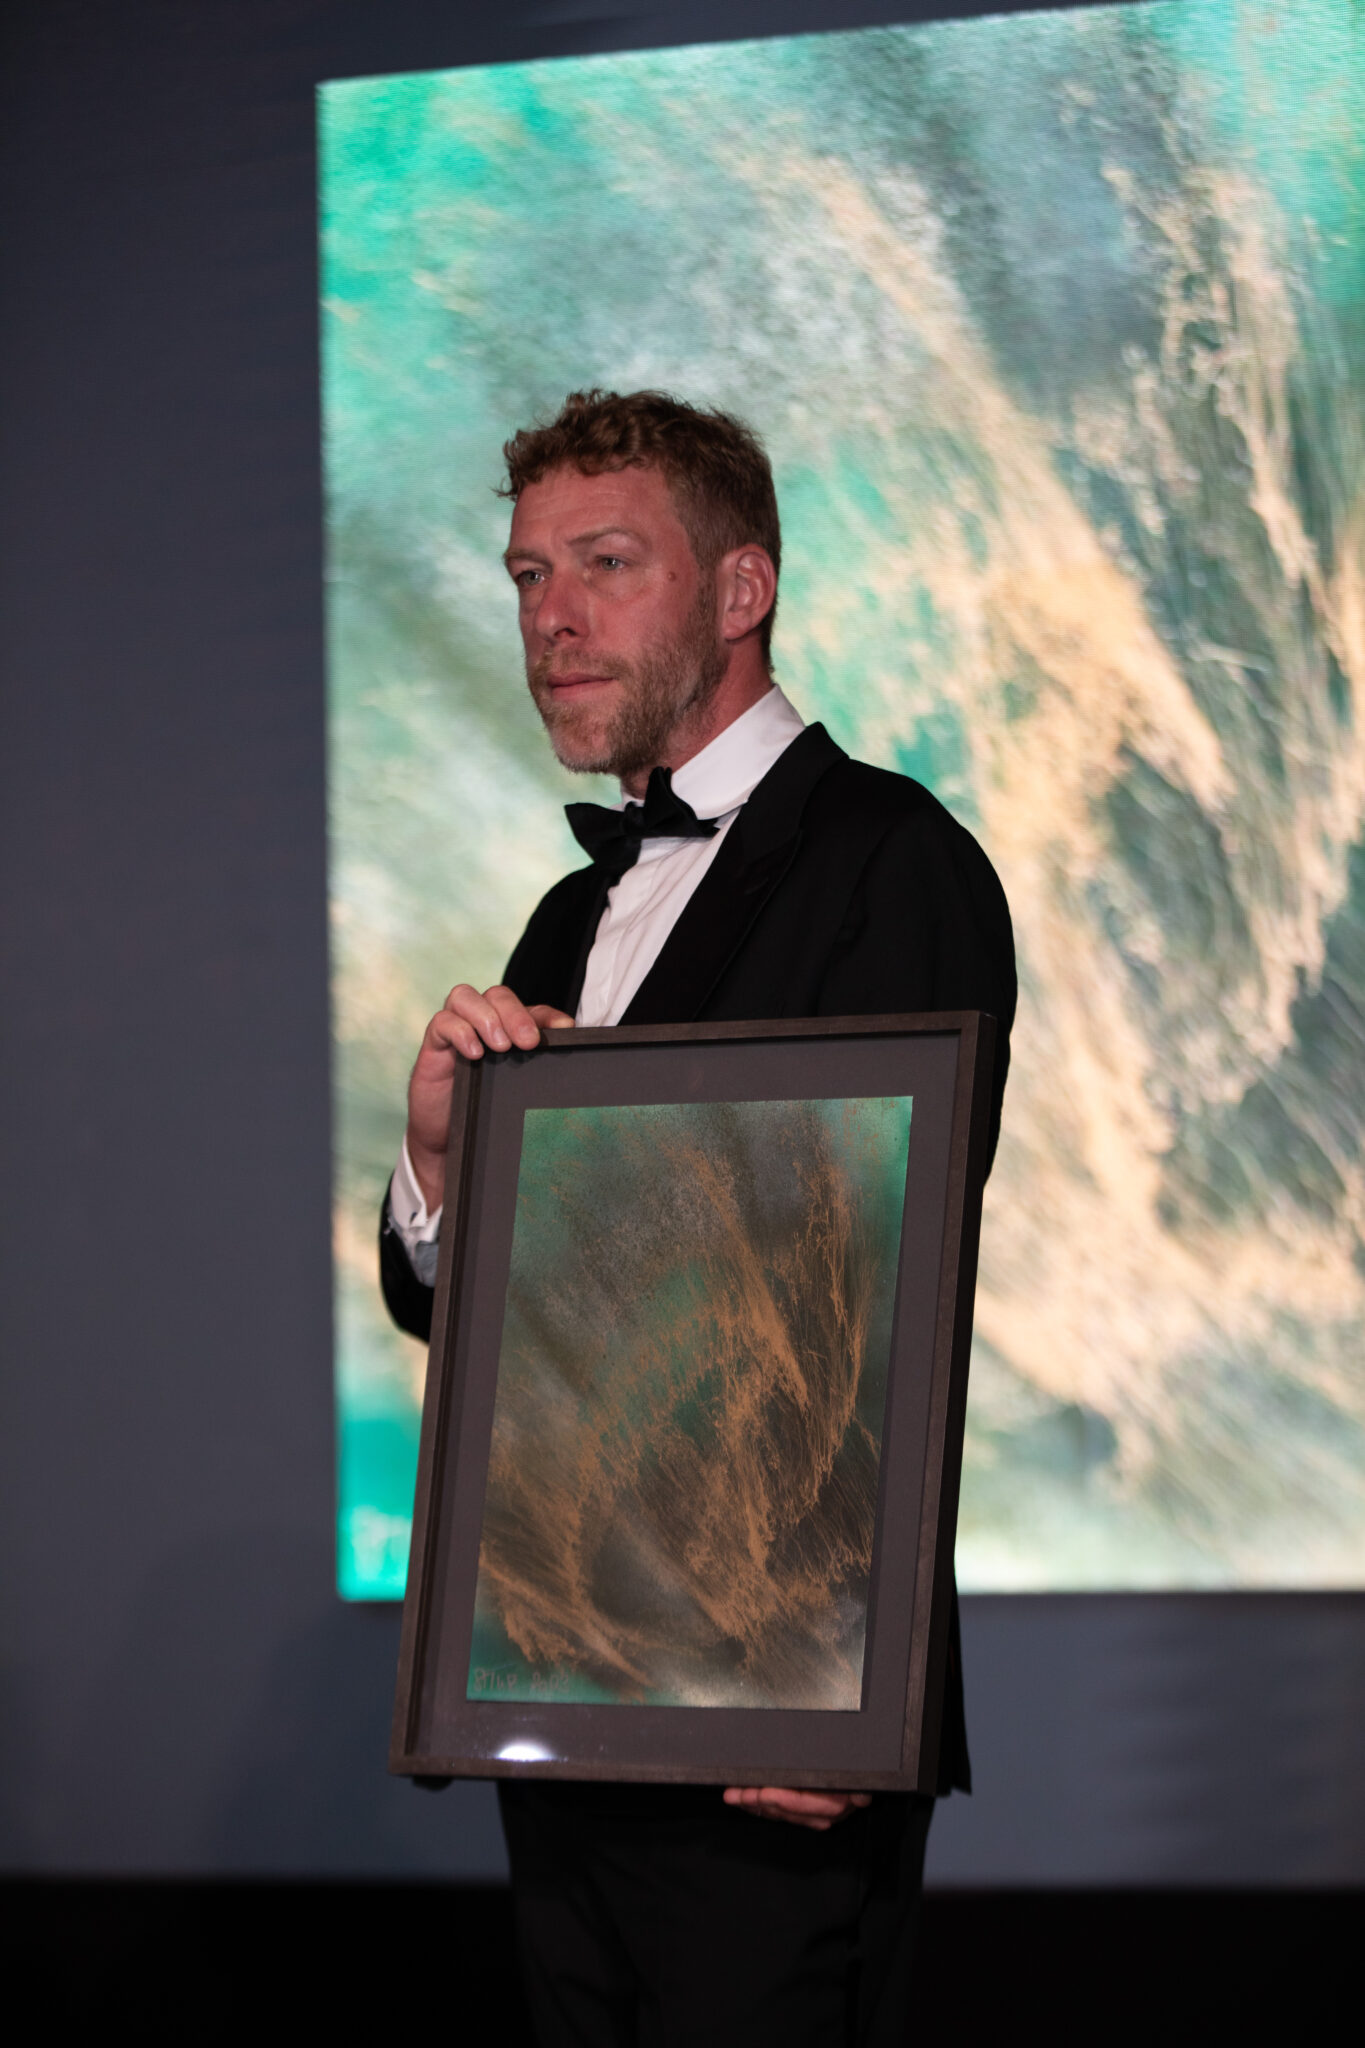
[{"x": 1054, "y": 326}]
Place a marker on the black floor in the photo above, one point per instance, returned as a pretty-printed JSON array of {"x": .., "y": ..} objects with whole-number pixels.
[{"x": 208, "y": 1962}]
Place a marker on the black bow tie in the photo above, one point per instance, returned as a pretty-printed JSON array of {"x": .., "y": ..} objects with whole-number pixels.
[{"x": 613, "y": 838}]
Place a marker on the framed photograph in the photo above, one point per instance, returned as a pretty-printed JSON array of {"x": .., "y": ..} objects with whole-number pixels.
[{"x": 692, "y": 1430}]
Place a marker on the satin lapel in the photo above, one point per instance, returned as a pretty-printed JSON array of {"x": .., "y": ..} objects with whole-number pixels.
[
  {"x": 756, "y": 853},
  {"x": 548, "y": 962},
  {"x": 594, "y": 917}
]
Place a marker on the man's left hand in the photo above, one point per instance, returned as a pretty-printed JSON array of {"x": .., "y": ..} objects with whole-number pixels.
[{"x": 806, "y": 1809}]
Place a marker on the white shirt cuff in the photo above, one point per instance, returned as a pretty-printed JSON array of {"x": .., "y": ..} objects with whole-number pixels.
[{"x": 408, "y": 1209}]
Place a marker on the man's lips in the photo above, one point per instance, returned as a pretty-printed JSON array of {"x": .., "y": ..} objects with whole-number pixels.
[{"x": 573, "y": 685}]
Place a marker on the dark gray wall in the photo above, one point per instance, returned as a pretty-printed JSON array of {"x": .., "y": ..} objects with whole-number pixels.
[{"x": 181, "y": 1690}]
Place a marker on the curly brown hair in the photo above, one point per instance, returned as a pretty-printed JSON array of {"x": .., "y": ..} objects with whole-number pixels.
[{"x": 716, "y": 467}]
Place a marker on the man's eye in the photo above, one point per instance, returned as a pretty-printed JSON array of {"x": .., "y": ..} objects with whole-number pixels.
[
  {"x": 524, "y": 578},
  {"x": 610, "y": 562}
]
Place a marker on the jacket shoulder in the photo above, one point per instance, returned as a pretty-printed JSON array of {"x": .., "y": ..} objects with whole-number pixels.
[
  {"x": 864, "y": 806},
  {"x": 888, "y": 792}
]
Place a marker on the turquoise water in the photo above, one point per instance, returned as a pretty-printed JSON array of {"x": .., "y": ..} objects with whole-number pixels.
[{"x": 1055, "y": 328}]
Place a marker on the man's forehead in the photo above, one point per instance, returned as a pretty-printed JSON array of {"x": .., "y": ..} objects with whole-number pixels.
[{"x": 635, "y": 495}]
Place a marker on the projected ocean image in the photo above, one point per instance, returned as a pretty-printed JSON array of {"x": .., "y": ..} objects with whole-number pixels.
[
  {"x": 682, "y": 1485},
  {"x": 1055, "y": 328}
]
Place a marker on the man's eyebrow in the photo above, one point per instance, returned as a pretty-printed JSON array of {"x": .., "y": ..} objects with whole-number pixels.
[
  {"x": 579, "y": 540},
  {"x": 583, "y": 540}
]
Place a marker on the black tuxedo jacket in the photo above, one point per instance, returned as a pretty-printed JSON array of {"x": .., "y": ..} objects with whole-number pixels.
[{"x": 839, "y": 891}]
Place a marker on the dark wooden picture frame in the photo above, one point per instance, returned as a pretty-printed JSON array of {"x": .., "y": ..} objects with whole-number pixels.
[{"x": 891, "y": 1741}]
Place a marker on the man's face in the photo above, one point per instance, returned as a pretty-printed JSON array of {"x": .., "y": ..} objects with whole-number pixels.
[{"x": 618, "y": 621}]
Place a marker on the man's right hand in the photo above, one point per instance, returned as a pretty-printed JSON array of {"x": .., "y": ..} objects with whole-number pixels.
[{"x": 466, "y": 1023}]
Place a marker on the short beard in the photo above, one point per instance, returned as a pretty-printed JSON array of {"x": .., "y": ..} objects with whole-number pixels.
[{"x": 660, "y": 690}]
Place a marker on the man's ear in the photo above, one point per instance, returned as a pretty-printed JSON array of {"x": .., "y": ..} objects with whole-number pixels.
[{"x": 748, "y": 590}]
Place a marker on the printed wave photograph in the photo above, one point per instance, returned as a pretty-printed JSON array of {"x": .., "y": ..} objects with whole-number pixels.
[{"x": 682, "y": 1482}]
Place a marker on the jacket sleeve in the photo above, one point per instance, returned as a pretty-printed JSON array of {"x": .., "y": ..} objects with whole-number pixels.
[
  {"x": 927, "y": 928},
  {"x": 407, "y": 1298},
  {"x": 546, "y": 967}
]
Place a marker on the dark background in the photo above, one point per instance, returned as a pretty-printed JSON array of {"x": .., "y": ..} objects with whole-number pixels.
[{"x": 182, "y": 1693}]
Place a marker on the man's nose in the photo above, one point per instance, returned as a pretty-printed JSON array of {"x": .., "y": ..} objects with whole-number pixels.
[{"x": 562, "y": 610}]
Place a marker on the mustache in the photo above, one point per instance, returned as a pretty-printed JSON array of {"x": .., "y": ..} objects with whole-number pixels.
[{"x": 548, "y": 668}]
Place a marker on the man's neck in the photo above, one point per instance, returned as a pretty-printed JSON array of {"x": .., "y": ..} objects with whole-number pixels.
[{"x": 736, "y": 694}]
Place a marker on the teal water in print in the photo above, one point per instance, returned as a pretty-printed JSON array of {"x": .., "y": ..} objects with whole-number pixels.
[{"x": 1054, "y": 326}]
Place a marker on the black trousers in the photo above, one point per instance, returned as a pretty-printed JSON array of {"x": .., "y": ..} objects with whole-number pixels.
[{"x": 662, "y": 1918}]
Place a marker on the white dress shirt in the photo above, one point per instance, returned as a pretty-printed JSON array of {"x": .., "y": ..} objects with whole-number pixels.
[{"x": 642, "y": 908}]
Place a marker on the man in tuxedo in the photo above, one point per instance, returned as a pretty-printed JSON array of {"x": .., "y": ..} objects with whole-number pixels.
[{"x": 752, "y": 870}]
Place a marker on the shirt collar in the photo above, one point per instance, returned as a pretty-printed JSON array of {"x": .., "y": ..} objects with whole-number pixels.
[{"x": 730, "y": 767}]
